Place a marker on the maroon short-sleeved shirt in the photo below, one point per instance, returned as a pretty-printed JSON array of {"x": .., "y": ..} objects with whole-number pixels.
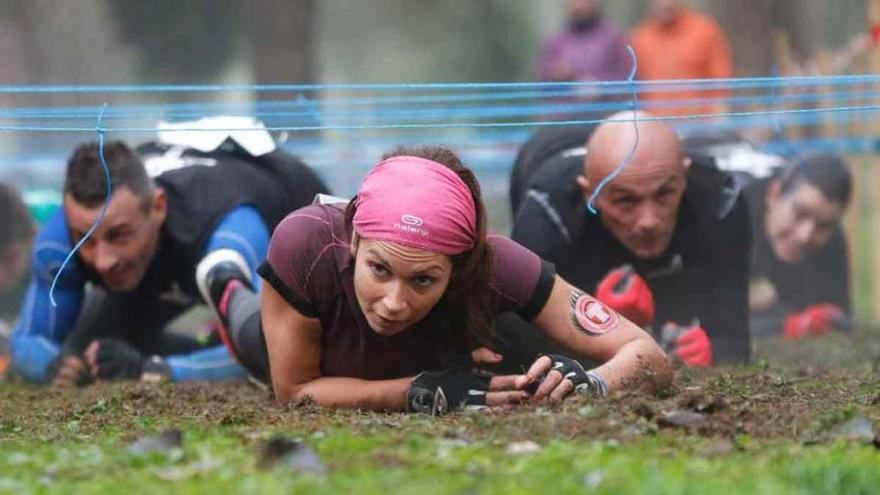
[{"x": 310, "y": 265}]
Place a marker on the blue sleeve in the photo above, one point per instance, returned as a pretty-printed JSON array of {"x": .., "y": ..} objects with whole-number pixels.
[
  {"x": 242, "y": 230},
  {"x": 214, "y": 363},
  {"x": 42, "y": 328}
]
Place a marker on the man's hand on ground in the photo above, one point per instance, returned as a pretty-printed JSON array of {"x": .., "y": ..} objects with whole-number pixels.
[
  {"x": 690, "y": 344},
  {"x": 817, "y": 319},
  {"x": 624, "y": 291},
  {"x": 114, "y": 359},
  {"x": 68, "y": 370}
]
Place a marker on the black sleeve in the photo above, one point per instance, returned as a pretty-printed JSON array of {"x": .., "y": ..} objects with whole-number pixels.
[
  {"x": 831, "y": 280},
  {"x": 769, "y": 322},
  {"x": 542, "y": 292},
  {"x": 538, "y": 226},
  {"x": 724, "y": 282},
  {"x": 268, "y": 274}
]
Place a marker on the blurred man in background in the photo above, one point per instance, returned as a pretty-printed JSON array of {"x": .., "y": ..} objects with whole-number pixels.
[
  {"x": 675, "y": 42},
  {"x": 800, "y": 263},
  {"x": 669, "y": 248}
]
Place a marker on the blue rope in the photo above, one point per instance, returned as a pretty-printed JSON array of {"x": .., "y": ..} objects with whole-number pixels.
[
  {"x": 454, "y": 125},
  {"x": 777, "y": 120},
  {"x": 100, "y": 130},
  {"x": 705, "y": 84},
  {"x": 635, "y": 122}
]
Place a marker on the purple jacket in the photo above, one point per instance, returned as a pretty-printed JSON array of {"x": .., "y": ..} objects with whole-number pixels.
[{"x": 598, "y": 53}]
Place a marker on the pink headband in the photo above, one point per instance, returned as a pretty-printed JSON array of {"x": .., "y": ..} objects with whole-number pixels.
[{"x": 418, "y": 203}]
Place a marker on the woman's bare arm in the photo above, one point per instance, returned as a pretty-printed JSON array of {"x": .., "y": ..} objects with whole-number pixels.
[
  {"x": 590, "y": 329},
  {"x": 294, "y": 344}
]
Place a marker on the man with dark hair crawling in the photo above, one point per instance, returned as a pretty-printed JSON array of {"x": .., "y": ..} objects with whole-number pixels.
[
  {"x": 142, "y": 258},
  {"x": 668, "y": 249},
  {"x": 800, "y": 264}
]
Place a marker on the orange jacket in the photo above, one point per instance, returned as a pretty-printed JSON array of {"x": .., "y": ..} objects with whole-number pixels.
[{"x": 692, "y": 47}]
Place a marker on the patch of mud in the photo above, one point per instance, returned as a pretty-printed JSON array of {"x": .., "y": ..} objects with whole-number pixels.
[{"x": 759, "y": 402}]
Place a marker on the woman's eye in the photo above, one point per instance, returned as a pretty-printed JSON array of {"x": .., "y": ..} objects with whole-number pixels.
[
  {"x": 378, "y": 269},
  {"x": 423, "y": 281}
]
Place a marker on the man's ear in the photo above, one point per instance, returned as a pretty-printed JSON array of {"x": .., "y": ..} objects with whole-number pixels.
[
  {"x": 686, "y": 162},
  {"x": 159, "y": 204},
  {"x": 584, "y": 185},
  {"x": 774, "y": 190}
]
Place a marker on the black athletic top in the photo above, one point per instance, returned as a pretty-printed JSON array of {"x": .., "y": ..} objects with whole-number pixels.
[
  {"x": 702, "y": 276},
  {"x": 821, "y": 277}
]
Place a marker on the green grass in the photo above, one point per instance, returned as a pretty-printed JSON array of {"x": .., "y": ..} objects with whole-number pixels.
[
  {"x": 769, "y": 434},
  {"x": 223, "y": 461}
]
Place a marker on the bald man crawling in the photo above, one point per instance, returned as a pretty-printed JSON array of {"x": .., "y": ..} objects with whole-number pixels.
[{"x": 668, "y": 249}]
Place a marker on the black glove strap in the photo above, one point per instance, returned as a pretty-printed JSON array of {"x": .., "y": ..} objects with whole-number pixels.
[
  {"x": 439, "y": 392},
  {"x": 118, "y": 360}
]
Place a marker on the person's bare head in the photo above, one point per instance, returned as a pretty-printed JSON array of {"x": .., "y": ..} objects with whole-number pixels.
[
  {"x": 639, "y": 206},
  {"x": 665, "y": 11},
  {"x": 583, "y": 10}
]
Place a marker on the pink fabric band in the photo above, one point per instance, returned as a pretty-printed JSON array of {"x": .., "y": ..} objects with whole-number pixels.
[{"x": 418, "y": 203}]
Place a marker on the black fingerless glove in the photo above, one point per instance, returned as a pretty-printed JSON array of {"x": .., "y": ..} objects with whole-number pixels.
[
  {"x": 118, "y": 360},
  {"x": 439, "y": 392},
  {"x": 585, "y": 382},
  {"x": 55, "y": 366}
]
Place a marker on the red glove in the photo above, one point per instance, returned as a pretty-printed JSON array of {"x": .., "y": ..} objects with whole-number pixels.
[
  {"x": 690, "y": 344},
  {"x": 626, "y": 292},
  {"x": 817, "y": 319}
]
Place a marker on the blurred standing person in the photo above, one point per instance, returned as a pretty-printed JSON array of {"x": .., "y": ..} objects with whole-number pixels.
[
  {"x": 590, "y": 48},
  {"x": 675, "y": 42}
]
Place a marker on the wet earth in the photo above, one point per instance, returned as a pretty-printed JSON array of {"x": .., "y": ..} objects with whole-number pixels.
[{"x": 807, "y": 393}]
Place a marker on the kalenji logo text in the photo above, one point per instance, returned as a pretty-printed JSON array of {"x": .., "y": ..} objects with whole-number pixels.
[
  {"x": 411, "y": 220},
  {"x": 411, "y": 224}
]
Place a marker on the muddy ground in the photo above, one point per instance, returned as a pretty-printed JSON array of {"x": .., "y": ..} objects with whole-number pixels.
[{"x": 797, "y": 392}]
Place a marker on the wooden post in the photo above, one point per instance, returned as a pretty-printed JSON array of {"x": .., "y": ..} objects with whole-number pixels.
[{"x": 873, "y": 216}]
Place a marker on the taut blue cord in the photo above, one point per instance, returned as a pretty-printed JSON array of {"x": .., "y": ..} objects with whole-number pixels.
[
  {"x": 635, "y": 122},
  {"x": 72, "y": 253}
]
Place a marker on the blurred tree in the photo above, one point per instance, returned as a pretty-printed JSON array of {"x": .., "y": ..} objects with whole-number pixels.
[
  {"x": 62, "y": 42},
  {"x": 281, "y": 33},
  {"x": 808, "y": 24},
  {"x": 181, "y": 42}
]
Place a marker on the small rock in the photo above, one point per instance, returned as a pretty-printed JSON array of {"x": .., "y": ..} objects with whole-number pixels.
[
  {"x": 166, "y": 442},
  {"x": 289, "y": 454},
  {"x": 520, "y": 448},
  {"x": 593, "y": 479},
  {"x": 718, "y": 447},
  {"x": 632, "y": 431},
  {"x": 681, "y": 419},
  {"x": 858, "y": 429}
]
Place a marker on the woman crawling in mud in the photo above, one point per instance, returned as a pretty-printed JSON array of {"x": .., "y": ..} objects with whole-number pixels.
[{"x": 367, "y": 304}]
